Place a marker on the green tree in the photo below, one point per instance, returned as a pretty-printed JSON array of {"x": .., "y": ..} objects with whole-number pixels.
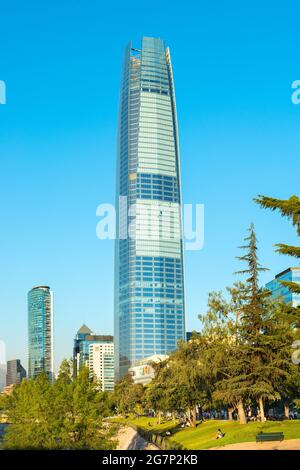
[
  {"x": 128, "y": 396},
  {"x": 225, "y": 363},
  {"x": 28, "y": 412},
  {"x": 265, "y": 333},
  {"x": 248, "y": 341},
  {"x": 157, "y": 393},
  {"x": 289, "y": 208},
  {"x": 179, "y": 384},
  {"x": 65, "y": 414}
]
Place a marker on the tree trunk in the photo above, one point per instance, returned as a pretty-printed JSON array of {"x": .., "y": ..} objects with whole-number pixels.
[
  {"x": 261, "y": 409},
  {"x": 230, "y": 411},
  {"x": 159, "y": 417},
  {"x": 193, "y": 416},
  {"x": 173, "y": 416},
  {"x": 287, "y": 410},
  {"x": 241, "y": 412}
]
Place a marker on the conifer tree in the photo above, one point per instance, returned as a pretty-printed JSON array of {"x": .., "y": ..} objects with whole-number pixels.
[
  {"x": 265, "y": 333},
  {"x": 289, "y": 208}
]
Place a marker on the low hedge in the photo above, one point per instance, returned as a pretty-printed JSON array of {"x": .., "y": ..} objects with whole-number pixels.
[{"x": 157, "y": 439}]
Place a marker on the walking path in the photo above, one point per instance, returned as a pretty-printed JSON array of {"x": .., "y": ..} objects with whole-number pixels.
[
  {"x": 129, "y": 439},
  {"x": 291, "y": 444}
]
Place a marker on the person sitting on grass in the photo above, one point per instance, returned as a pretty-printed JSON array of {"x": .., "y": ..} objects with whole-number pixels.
[{"x": 220, "y": 434}]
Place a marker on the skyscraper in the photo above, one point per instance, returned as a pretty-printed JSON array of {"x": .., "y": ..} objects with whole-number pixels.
[
  {"x": 101, "y": 363},
  {"x": 149, "y": 278},
  {"x": 280, "y": 291},
  {"x": 40, "y": 331},
  {"x": 2, "y": 366},
  {"x": 84, "y": 338},
  {"x": 15, "y": 372}
]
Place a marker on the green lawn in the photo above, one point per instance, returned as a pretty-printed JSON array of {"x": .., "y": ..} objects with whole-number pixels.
[{"x": 204, "y": 435}]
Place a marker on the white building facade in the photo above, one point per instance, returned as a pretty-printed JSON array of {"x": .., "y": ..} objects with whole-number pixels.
[
  {"x": 101, "y": 364},
  {"x": 144, "y": 371}
]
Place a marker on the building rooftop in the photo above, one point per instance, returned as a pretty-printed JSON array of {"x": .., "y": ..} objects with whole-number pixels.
[
  {"x": 84, "y": 330},
  {"x": 286, "y": 271},
  {"x": 40, "y": 287},
  {"x": 99, "y": 338}
]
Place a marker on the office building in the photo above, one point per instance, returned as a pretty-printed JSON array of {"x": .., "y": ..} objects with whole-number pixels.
[
  {"x": 2, "y": 376},
  {"x": 81, "y": 348},
  {"x": 149, "y": 278},
  {"x": 15, "y": 372},
  {"x": 84, "y": 338},
  {"x": 282, "y": 292},
  {"x": 101, "y": 363},
  {"x": 40, "y": 331},
  {"x": 2, "y": 366}
]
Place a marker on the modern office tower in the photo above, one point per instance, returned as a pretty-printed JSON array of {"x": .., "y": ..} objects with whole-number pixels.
[
  {"x": 2, "y": 376},
  {"x": 2, "y": 366},
  {"x": 83, "y": 339},
  {"x": 101, "y": 363},
  {"x": 149, "y": 278},
  {"x": 40, "y": 331},
  {"x": 15, "y": 372},
  {"x": 280, "y": 291},
  {"x": 81, "y": 348},
  {"x": 189, "y": 335}
]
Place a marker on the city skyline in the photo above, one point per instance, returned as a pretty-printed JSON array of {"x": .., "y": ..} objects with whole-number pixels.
[{"x": 57, "y": 148}]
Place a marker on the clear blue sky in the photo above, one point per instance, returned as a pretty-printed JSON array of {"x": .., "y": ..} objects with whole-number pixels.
[{"x": 239, "y": 133}]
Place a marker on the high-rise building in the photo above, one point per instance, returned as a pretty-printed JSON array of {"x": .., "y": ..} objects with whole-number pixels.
[
  {"x": 15, "y": 372},
  {"x": 101, "y": 363},
  {"x": 40, "y": 331},
  {"x": 81, "y": 348},
  {"x": 2, "y": 366},
  {"x": 2, "y": 376},
  {"x": 149, "y": 278},
  {"x": 278, "y": 290},
  {"x": 189, "y": 335},
  {"x": 83, "y": 339}
]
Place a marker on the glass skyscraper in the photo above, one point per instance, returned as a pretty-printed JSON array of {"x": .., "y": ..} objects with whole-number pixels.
[
  {"x": 40, "y": 331},
  {"x": 149, "y": 278},
  {"x": 15, "y": 372},
  {"x": 82, "y": 342},
  {"x": 278, "y": 290}
]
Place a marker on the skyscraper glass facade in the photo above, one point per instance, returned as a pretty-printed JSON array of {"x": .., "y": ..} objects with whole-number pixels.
[
  {"x": 149, "y": 278},
  {"x": 280, "y": 291},
  {"x": 82, "y": 342},
  {"x": 15, "y": 372},
  {"x": 40, "y": 331}
]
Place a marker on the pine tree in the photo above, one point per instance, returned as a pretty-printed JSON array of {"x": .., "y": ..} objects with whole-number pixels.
[
  {"x": 265, "y": 333},
  {"x": 289, "y": 208}
]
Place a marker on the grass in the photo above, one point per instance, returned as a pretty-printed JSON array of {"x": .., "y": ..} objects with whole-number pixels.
[{"x": 204, "y": 435}]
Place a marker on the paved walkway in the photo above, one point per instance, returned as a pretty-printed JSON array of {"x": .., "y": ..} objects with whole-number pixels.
[
  {"x": 291, "y": 444},
  {"x": 129, "y": 439}
]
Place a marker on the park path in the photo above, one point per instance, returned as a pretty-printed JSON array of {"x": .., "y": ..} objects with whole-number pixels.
[
  {"x": 129, "y": 439},
  {"x": 290, "y": 444}
]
